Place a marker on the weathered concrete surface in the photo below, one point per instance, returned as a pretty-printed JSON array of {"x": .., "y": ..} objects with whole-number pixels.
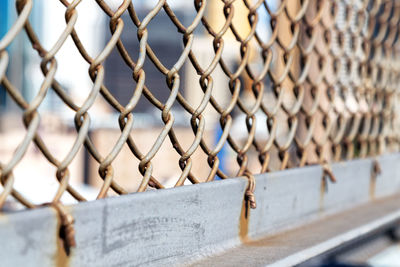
[
  {"x": 284, "y": 198},
  {"x": 151, "y": 228},
  {"x": 158, "y": 227},
  {"x": 352, "y": 186},
  {"x": 388, "y": 182},
  {"x": 181, "y": 225},
  {"x": 297, "y": 245},
  {"x": 28, "y": 238}
]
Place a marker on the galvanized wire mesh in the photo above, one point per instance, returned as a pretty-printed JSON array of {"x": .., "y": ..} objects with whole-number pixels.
[{"x": 324, "y": 85}]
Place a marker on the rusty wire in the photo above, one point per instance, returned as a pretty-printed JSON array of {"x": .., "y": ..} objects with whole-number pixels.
[{"x": 332, "y": 66}]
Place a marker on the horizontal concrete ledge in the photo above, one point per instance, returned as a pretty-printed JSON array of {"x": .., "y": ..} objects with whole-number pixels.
[
  {"x": 298, "y": 245},
  {"x": 190, "y": 223}
]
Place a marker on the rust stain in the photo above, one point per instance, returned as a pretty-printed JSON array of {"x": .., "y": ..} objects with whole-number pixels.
[
  {"x": 322, "y": 194},
  {"x": 61, "y": 258},
  {"x": 244, "y": 229},
  {"x": 244, "y": 222},
  {"x": 375, "y": 172},
  {"x": 372, "y": 186}
]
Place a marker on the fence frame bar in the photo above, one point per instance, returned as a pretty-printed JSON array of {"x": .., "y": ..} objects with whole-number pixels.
[{"x": 189, "y": 223}]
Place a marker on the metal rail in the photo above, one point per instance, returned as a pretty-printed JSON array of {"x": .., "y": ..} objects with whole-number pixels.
[{"x": 190, "y": 223}]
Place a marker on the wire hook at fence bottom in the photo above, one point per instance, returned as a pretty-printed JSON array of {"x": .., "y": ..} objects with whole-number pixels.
[{"x": 249, "y": 194}]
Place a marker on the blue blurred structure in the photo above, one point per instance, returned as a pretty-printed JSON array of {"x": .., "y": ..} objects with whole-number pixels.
[
  {"x": 3, "y": 29},
  {"x": 222, "y": 153},
  {"x": 3, "y": 18}
]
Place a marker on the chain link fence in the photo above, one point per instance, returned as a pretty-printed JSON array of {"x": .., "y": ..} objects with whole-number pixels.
[{"x": 288, "y": 83}]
